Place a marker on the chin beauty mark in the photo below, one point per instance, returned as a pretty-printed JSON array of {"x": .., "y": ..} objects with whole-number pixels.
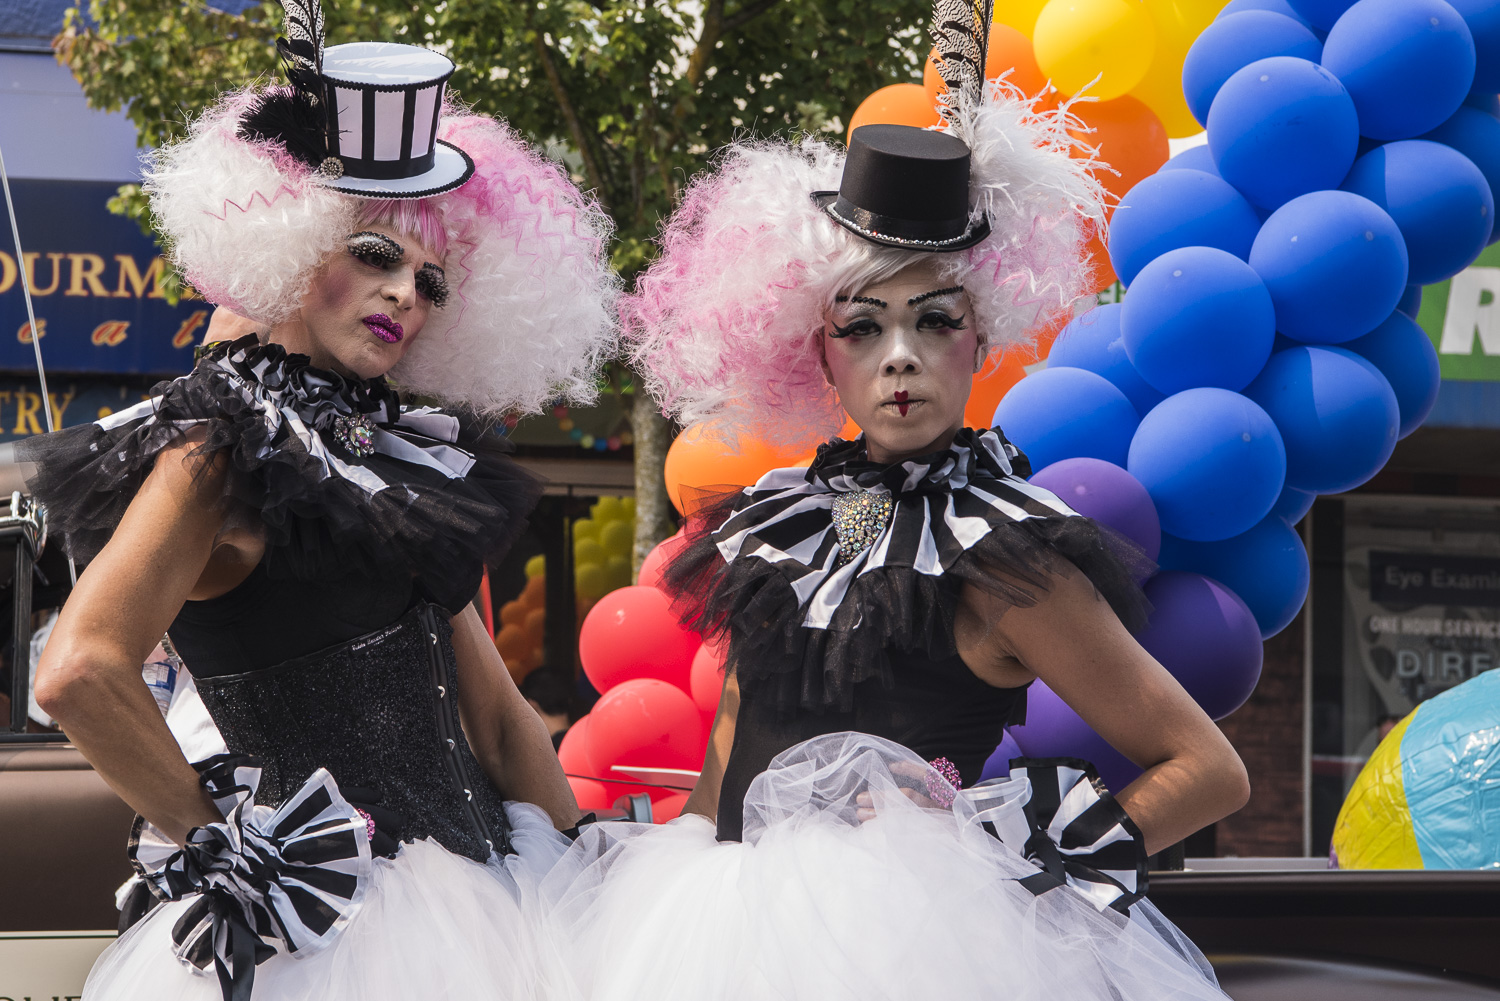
[{"x": 384, "y": 327}]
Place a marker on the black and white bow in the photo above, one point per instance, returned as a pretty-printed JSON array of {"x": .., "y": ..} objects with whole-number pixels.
[
  {"x": 265, "y": 879},
  {"x": 942, "y": 505},
  {"x": 1057, "y": 813}
]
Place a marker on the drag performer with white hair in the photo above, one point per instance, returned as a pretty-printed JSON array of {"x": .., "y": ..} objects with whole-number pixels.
[
  {"x": 388, "y": 800},
  {"x": 885, "y": 610}
]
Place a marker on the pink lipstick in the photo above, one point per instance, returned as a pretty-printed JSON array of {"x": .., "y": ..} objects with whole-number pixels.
[
  {"x": 384, "y": 327},
  {"x": 901, "y": 403}
]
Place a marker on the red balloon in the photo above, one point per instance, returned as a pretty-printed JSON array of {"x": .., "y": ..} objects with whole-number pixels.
[
  {"x": 631, "y": 633},
  {"x": 573, "y": 751},
  {"x": 591, "y": 795},
  {"x": 707, "y": 681},
  {"x": 668, "y": 808},
  {"x": 650, "y": 575},
  {"x": 645, "y": 723}
]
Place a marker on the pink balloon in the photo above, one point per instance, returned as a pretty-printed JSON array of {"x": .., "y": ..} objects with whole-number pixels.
[
  {"x": 651, "y": 566},
  {"x": 707, "y": 678},
  {"x": 630, "y": 634},
  {"x": 645, "y": 723}
]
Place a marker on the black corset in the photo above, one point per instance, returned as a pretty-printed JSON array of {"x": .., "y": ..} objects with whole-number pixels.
[{"x": 379, "y": 712}]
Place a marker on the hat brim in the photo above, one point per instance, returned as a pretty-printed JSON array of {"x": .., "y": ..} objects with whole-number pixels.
[
  {"x": 974, "y": 233},
  {"x": 451, "y": 168}
]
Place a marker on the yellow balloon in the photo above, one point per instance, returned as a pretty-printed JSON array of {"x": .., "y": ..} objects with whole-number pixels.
[
  {"x": 627, "y": 507},
  {"x": 536, "y": 567},
  {"x": 1019, "y": 14},
  {"x": 607, "y": 508},
  {"x": 618, "y": 538},
  {"x": 587, "y": 551},
  {"x": 1077, "y": 41},
  {"x": 585, "y": 528},
  {"x": 590, "y": 580},
  {"x": 617, "y": 570},
  {"x": 1178, "y": 24}
]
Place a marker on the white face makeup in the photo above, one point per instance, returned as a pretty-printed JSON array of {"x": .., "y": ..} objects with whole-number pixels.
[
  {"x": 902, "y": 354},
  {"x": 367, "y": 303}
]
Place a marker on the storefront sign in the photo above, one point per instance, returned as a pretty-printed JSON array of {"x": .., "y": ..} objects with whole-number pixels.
[
  {"x": 1462, "y": 316},
  {"x": 74, "y": 401},
  {"x": 96, "y": 288}
]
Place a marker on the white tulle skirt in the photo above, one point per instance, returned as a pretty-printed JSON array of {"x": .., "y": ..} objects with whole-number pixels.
[
  {"x": 816, "y": 905},
  {"x": 432, "y": 925}
]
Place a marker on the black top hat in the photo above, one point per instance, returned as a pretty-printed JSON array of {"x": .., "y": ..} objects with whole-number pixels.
[{"x": 905, "y": 187}]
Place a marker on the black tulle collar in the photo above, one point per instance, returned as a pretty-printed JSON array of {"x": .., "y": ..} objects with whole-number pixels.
[
  {"x": 845, "y": 465},
  {"x": 290, "y": 381}
]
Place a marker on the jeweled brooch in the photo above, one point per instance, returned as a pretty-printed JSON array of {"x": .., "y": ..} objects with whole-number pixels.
[
  {"x": 859, "y": 517},
  {"x": 356, "y": 433}
]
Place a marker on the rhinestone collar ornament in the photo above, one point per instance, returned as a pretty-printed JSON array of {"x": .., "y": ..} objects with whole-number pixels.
[
  {"x": 859, "y": 517},
  {"x": 356, "y": 433}
]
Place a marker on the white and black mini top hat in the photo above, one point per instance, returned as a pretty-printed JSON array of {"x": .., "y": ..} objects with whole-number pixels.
[
  {"x": 905, "y": 187},
  {"x": 364, "y": 115}
]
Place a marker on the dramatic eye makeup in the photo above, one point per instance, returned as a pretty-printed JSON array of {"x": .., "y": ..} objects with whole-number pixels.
[
  {"x": 375, "y": 248},
  {"x": 917, "y": 300},
  {"x": 432, "y": 284}
]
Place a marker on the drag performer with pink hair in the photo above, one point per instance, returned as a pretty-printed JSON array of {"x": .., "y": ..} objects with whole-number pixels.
[
  {"x": 388, "y": 801},
  {"x": 885, "y": 610}
]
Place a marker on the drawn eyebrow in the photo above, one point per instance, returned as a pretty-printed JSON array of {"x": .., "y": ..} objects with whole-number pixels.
[
  {"x": 916, "y": 299},
  {"x": 866, "y": 300}
]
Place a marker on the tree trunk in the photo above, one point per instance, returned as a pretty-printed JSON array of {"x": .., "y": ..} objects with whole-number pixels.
[{"x": 655, "y": 518}]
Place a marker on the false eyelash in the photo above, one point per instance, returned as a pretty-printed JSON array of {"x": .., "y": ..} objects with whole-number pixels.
[
  {"x": 867, "y": 300},
  {"x": 839, "y": 331},
  {"x": 917, "y": 299},
  {"x": 377, "y": 246},
  {"x": 952, "y": 323},
  {"x": 432, "y": 283}
]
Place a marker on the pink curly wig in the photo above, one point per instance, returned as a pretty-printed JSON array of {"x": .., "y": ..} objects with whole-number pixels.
[
  {"x": 532, "y": 317},
  {"x": 727, "y": 324}
]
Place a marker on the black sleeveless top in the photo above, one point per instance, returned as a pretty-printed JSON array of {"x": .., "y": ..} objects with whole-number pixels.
[{"x": 938, "y": 708}]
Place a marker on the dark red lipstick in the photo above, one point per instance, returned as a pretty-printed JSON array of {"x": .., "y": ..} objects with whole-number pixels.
[
  {"x": 384, "y": 327},
  {"x": 901, "y": 403}
]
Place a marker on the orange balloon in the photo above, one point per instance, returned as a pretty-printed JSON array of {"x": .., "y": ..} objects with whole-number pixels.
[
  {"x": 989, "y": 386},
  {"x": 1129, "y": 138},
  {"x": 535, "y": 625},
  {"x": 512, "y": 613},
  {"x": 512, "y": 643},
  {"x": 1009, "y": 50},
  {"x": 1097, "y": 259},
  {"x": 697, "y": 464},
  {"x": 535, "y": 593},
  {"x": 898, "y": 104}
]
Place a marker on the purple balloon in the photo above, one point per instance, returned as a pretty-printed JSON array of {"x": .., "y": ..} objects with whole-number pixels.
[
  {"x": 1052, "y": 730},
  {"x": 1206, "y": 637},
  {"x": 1108, "y": 494},
  {"x": 997, "y": 765}
]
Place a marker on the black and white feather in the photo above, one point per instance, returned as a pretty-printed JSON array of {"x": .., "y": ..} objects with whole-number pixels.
[
  {"x": 302, "y": 45},
  {"x": 266, "y": 879},
  {"x": 293, "y": 117},
  {"x": 960, "y": 35},
  {"x": 1058, "y": 814}
]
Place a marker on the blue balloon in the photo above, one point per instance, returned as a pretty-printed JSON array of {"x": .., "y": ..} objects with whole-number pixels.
[
  {"x": 1281, "y": 127},
  {"x": 1266, "y": 566},
  {"x": 1212, "y": 461},
  {"x": 1438, "y": 198},
  {"x": 1321, "y": 14},
  {"x": 1206, "y": 637},
  {"x": 1475, "y": 134},
  {"x": 997, "y": 765},
  {"x": 1230, "y": 43},
  {"x": 1276, "y": 6},
  {"x": 1053, "y": 730},
  {"x": 1292, "y": 506},
  {"x": 1411, "y": 301},
  {"x": 1408, "y": 64},
  {"x": 1092, "y": 341},
  {"x": 1180, "y": 208},
  {"x": 1483, "y": 19},
  {"x": 1406, "y": 357},
  {"x": 1334, "y": 263},
  {"x": 1337, "y": 415},
  {"x": 1483, "y": 101},
  {"x": 1192, "y": 158},
  {"x": 1198, "y": 316},
  {"x": 1064, "y": 413}
]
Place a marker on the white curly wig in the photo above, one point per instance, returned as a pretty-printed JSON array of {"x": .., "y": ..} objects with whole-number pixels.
[
  {"x": 726, "y": 325},
  {"x": 532, "y": 315}
]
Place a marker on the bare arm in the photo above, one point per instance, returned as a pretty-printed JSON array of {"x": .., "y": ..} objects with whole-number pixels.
[
  {"x": 1073, "y": 641},
  {"x": 508, "y": 737},
  {"x": 704, "y": 799},
  {"x": 89, "y": 678}
]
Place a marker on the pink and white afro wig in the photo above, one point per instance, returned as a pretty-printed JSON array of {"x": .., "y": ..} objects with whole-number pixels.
[
  {"x": 726, "y": 325},
  {"x": 532, "y": 314}
]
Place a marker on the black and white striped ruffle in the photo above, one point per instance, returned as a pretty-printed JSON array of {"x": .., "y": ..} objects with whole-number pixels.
[
  {"x": 267, "y": 879},
  {"x": 944, "y": 504},
  {"x": 1057, "y": 813}
]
